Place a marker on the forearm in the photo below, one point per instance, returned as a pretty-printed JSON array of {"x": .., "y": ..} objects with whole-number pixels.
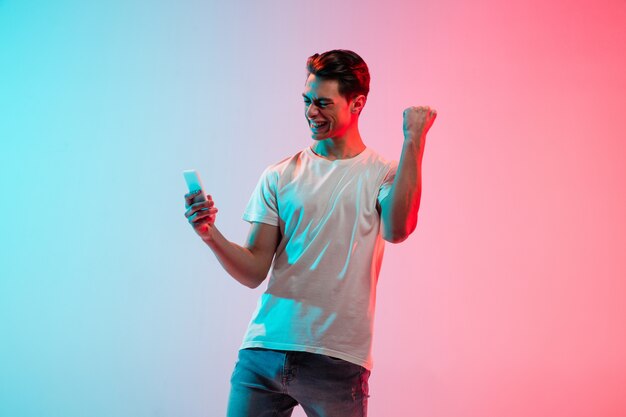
[
  {"x": 405, "y": 194},
  {"x": 241, "y": 263}
]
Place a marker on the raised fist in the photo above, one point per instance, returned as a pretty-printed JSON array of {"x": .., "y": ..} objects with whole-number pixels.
[{"x": 417, "y": 121}]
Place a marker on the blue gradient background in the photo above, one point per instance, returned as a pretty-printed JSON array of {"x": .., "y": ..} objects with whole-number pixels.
[{"x": 508, "y": 301}]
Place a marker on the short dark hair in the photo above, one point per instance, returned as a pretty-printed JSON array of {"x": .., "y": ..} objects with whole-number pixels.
[{"x": 342, "y": 65}]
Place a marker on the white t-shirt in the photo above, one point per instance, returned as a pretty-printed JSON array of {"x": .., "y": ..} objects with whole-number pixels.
[{"x": 322, "y": 288}]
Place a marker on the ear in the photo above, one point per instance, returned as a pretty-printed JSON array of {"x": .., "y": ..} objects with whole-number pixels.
[{"x": 357, "y": 104}]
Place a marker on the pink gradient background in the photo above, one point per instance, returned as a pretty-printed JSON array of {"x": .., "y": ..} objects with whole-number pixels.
[{"x": 509, "y": 299}]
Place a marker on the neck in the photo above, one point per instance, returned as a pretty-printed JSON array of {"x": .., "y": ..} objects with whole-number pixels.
[{"x": 345, "y": 146}]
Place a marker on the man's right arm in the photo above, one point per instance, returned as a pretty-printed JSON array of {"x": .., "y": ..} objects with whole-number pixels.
[{"x": 248, "y": 264}]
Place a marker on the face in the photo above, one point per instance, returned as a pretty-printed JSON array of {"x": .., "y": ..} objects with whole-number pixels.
[{"x": 328, "y": 114}]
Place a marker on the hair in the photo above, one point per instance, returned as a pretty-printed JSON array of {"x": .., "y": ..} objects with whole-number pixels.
[{"x": 342, "y": 65}]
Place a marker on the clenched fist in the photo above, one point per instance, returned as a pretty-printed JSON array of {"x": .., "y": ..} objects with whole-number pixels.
[{"x": 417, "y": 121}]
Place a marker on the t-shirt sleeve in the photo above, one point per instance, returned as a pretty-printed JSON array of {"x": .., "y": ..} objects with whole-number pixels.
[
  {"x": 262, "y": 206},
  {"x": 385, "y": 187}
]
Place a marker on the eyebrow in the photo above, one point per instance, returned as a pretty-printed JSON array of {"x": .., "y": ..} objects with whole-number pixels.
[{"x": 319, "y": 99}]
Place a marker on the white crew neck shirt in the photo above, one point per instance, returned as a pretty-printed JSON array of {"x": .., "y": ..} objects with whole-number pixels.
[{"x": 321, "y": 292}]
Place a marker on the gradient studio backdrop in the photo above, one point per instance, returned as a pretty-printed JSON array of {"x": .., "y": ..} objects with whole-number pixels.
[{"x": 510, "y": 298}]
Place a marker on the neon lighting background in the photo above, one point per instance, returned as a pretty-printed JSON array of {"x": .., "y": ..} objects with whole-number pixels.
[{"x": 510, "y": 298}]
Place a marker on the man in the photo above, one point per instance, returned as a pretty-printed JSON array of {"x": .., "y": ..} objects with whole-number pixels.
[{"x": 319, "y": 218}]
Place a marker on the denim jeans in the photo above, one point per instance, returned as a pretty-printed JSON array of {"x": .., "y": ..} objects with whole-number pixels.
[{"x": 270, "y": 383}]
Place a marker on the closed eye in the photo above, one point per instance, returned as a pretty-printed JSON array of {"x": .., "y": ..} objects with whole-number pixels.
[{"x": 320, "y": 104}]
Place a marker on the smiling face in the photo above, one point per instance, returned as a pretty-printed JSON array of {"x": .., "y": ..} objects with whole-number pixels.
[{"x": 328, "y": 113}]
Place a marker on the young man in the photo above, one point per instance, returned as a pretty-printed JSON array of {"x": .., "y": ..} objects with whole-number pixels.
[{"x": 319, "y": 218}]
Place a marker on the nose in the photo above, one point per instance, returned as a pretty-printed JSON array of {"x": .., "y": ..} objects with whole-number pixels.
[{"x": 311, "y": 111}]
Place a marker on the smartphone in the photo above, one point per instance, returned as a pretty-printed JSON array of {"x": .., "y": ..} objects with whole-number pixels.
[{"x": 192, "y": 178}]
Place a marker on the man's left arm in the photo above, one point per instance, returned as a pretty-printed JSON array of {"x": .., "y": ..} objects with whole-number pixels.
[{"x": 399, "y": 209}]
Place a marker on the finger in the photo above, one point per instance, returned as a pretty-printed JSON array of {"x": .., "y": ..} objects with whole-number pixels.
[
  {"x": 201, "y": 228},
  {"x": 199, "y": 206},
  {"x": 200, "y": 215},
  {"x": 204, "y": 222},
  {"x": 206, "y": 197},
  {"x": 200, "y": 197},
  {"x": 195, "y": 210},
  {"x": 205, "y": 205},
  {"x": 189, "y": 197}
]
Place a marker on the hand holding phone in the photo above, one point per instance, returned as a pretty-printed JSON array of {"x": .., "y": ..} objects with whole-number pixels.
[{"x": 200, "y": 207}]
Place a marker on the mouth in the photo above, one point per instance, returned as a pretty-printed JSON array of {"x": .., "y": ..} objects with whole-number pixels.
[{"x": 318, "y": 125}]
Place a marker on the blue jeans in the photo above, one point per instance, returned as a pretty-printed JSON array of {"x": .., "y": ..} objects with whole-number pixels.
[{"x": 270, "y": 383}]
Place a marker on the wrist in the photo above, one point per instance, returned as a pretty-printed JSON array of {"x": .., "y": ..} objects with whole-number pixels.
[
  {"x": 208, "y": 237},
  {"x": 414, "y": 141},
  {"x": 413, "y": 147},
  {"x": 412, "y": 136}
]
